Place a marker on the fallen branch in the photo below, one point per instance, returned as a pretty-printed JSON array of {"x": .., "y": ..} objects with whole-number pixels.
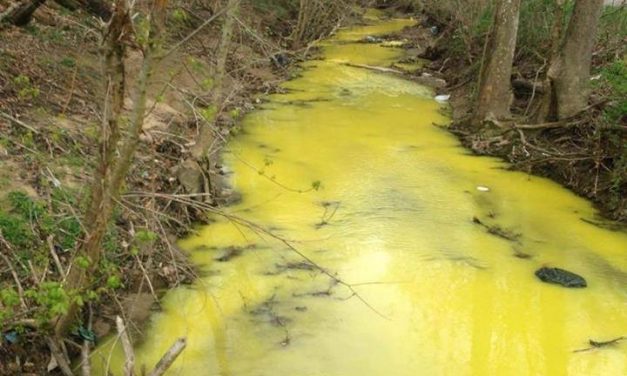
[
  {"x": 59, "y": 356},
  {"x": 169, "y": 357},
  {"x": 187, "y": 200},
  {"x": 129, "y": 364},
  {"x": 374, "y": 68},
  {"x": 18, "y": 122},
  {"x": 555, "y": 124},
  {"x": 57, "y": 262},
  {"x": 601, "y": 344}
]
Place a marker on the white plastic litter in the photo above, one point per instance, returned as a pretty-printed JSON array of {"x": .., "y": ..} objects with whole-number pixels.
[
  {"x": 442, "y": 98},
  {"x": 482, "y": 188}
]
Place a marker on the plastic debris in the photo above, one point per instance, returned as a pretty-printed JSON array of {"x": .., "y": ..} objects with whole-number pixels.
[
  {"x": 86, "y": 334},
  {"x": 11, "y": 337},
  {"x": 482, "y": 188},
  {"x": 442, "y": 98}
]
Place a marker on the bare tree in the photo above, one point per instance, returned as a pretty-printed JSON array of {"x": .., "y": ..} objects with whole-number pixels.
[
  {"x": 317, "y": 18},
  {"x": 114, "y": 160},
  {"x": 21, "y": 13},
  {"x": 194, "y": 171},
  {"x": 569, "y": 72},
  {"x": 495, "y": 94}
]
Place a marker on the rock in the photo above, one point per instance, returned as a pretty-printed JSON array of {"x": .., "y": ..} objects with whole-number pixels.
[
  {"x": 280, "y": 60},
  {"x": 190, "y": 176},
  {"x": 372, "y": 39},
  {"x": 101, "y": 328},
  {"x": 561, "y": 277}
]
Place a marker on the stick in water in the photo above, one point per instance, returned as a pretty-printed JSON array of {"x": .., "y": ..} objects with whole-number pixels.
[
  {"x": 129, "y": 364},
  {"x": 169, "y": 357}
]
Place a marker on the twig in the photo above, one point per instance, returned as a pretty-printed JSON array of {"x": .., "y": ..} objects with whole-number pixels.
[
  {"x": 85, "y": 362},
  {"x": 147, "y": 277},
  {"x": 555, "y": 124},
  {"x": 59, "y": 356},
  {"x": 69, "y": 98},
  {"x": 18, "y": 284},
  {"x": 129, "y": 364},
  {"x": 533, "y": 92},
  {"x": 18, "y": 122},
  {"x": 169, "y": 357},
  {"x": 600, "y": 344},
  {"x": 374, "y": 68},
  {"x": 57, "y": 262},
  {"x": 193, "y": 33},
  {"x": 257, "y": 228}
]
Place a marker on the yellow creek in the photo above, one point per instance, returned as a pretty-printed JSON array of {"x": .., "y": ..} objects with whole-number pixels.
[{"x": 393, "y": 217}]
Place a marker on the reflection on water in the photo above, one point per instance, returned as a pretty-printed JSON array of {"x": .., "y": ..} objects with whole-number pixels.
[{"x": 443, "y": 294}]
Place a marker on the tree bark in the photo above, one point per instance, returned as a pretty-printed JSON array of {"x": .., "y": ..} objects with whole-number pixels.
[
  {"x": 21, "y": 14},
  {"x": 112, "y": 170},
  {"x": 205, "y": 137},
  {"x": 569, "y": 72},
  {"x": 194, "y": 172},
  {"x": 548, "y": 104},
  {"x": 495, "y": 94}
]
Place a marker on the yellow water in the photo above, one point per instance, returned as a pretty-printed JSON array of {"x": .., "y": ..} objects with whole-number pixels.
[{"x": 393, "y": 217}]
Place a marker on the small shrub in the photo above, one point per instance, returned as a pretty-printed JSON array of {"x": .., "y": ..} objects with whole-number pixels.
[{"x": 24, "y": 88}]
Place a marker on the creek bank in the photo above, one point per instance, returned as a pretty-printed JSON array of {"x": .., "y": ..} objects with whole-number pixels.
[
  {"x": 50, "y": 80},
  {"x": 583, "y": 153}
]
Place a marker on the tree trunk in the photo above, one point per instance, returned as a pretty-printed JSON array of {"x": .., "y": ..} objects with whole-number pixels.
[
  {"x": 194, "y": 172},
  {"x": 495, "y": 94},
  {"x": 22, "y": 13},
  {"x": 112, "y": 170},
  {"x": 569, "y": 72},
  {"x": 548, "y": 105},
  {"x": 298, "y": 34},
  {"x": 204, "y": 139},
  {"x": 98, "y": 8}
]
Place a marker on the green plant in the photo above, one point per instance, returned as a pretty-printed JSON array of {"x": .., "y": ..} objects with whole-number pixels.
[
  {"x": 9, "y": 299},
  {"x": 51, "y": 298},
  {"x": 208, "y": 113},
  {"x": 16, "y": 230},
  {"x": 68, "y": 62},
  {"x": 179, "y": 15},
  {"x": 614, "y": 78},
  {"x": 24, "y": 87}
]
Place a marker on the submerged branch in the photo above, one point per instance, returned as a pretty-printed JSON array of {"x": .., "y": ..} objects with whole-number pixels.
[
  {"x": 600, "y": 344},
  {"x": 185, "y": 199},
  {"x": 169, "y": 357}
]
